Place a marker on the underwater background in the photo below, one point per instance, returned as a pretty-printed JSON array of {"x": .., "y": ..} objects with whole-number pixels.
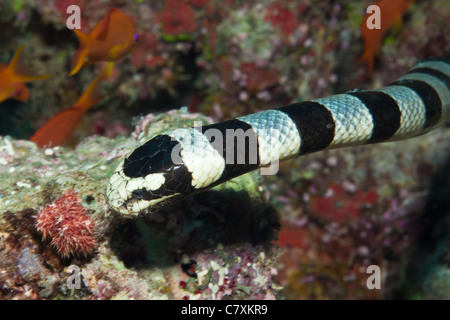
[{"x": 309, "y": 232}]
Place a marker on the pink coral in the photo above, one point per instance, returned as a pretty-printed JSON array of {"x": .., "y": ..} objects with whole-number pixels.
[
  {"x": 146, "y": 53},
  {"x": 282, "y": 18},
  {"x": 198, "y": 3},
  {"x": 259, "y": 78},
  {"x": 177, "y": 18},
  {"x": 65, "y": 221},
  {"x": 62, "y": 5},
  {"x": 341, "y": 206}
]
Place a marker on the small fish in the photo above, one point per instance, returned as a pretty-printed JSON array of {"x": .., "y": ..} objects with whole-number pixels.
[
  {"x": 111, "y": 39},
  {"x": 13, "y": 76},
  {"x": 391, "y": 14},
  {"x": 58, "y": 129}
]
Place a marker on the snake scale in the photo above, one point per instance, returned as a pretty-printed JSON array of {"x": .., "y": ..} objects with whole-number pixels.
[{"x": 182, "y": 162}]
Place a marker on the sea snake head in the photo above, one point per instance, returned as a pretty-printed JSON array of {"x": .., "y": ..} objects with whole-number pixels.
[
  {"x": 148, "y": 178},
  {"x": 164, "y": 170}
]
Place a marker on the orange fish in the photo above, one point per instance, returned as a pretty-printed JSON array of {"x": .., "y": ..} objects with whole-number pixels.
[
  {"x": 13, "y": 76},
  {"x": 110, "y": 40},
  {"x": 391, "y": 13},
  {"x": 58, "y": 129}
]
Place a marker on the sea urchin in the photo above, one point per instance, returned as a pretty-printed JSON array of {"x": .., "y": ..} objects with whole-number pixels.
[{"x": 65, "y": 221}]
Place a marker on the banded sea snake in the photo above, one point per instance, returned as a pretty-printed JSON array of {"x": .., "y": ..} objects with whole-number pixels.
[{"x": 179, "y": 163}]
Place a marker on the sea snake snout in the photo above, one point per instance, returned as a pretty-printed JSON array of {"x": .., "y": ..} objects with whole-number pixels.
[{"x": 146, "y": 177}]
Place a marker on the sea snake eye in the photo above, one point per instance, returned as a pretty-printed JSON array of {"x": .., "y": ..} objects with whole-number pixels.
[{"x": 138, "y": 194}]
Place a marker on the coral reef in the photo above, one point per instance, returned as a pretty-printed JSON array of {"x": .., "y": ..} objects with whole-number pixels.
[
  {"x": 343, "y": 210},
  {"x": 141, "y": 258},
  {"x": 221, "y": 59},
  {"x": 196, "y": 250},
  {"x": 308, "y": 233}
]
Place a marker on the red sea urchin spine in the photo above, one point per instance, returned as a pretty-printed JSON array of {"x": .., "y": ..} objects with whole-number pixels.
[{"x": 65, "y": 221}]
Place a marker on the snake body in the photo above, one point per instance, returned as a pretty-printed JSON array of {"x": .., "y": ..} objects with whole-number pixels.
[{"x": 182, "y": 162}]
